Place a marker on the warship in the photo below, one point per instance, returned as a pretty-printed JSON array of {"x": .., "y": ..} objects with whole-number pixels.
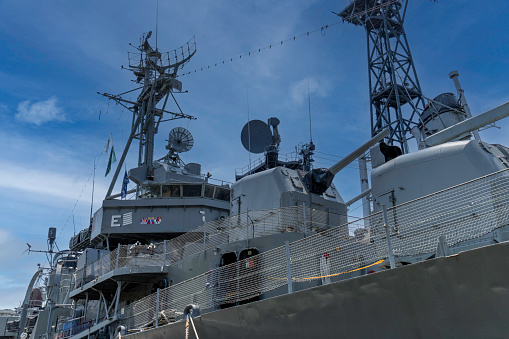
[{"x": 274, "y": 254}]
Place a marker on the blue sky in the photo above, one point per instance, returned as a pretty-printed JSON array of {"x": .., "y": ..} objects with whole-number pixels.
[{"x": 55, "y": 56}]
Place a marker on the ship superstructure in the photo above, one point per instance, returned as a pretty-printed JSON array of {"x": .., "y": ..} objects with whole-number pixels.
[
  {"x": 182, "y": 223},
  {"x": 232, "y": 256}
]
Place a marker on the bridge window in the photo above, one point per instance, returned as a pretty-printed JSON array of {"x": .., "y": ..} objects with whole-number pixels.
[
  {"x": 192, "y": 190},
  {"x": 172, "y": 191},
  {"x": 209, "y": 191},
  {"x": 222, "y": 194}
]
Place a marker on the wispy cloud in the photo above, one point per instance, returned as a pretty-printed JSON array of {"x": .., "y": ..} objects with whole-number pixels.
[
  {"x": 40, "y": 112},
  {"x": 299, "y": 89},
  {"x": 42, "y": 182},
  {"x": 7, "y": 282},
  {"x": 10, "y": 247}
]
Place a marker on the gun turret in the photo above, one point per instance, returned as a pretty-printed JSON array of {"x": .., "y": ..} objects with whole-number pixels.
[
  {"x": 319, "y": 180},
  {"x": 467, "y": 126}
]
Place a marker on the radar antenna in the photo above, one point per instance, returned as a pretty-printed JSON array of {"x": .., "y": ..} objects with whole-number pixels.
[
  {"x": 179, "y": 140},
  {"x": 257, "y": 137},
  {"x": 157, "y": 73}
]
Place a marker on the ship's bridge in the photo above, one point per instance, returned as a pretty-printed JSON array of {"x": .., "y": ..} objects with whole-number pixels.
[{"x": 167, "y": 206}]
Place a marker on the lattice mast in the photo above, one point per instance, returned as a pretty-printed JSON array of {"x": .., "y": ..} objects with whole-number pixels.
[
  {"x": 393, "y": 82},
  {"x": 157, "y": 73}
]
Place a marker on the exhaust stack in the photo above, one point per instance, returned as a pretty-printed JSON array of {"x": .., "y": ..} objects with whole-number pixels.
[{"x": 461, "y": 95}]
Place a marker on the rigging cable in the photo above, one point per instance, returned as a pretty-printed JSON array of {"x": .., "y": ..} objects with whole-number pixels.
[
  {"x": 322, "y": 31},
  {"x": 309, "y": 112},
  {"x": 77, "y": 200}
]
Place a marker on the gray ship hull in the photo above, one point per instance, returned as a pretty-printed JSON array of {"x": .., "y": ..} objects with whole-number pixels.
[{"x": 460, "y": 296}]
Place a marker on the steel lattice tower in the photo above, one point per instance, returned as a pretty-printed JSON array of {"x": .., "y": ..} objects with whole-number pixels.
[{"x": 393, "y": 82}]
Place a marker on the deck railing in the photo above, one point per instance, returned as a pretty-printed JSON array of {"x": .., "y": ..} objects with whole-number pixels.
[
  {"x": 244, "y": 226},
  {"x": 464, "y": 212}
]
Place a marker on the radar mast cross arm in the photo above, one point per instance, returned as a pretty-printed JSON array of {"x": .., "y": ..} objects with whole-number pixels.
[
  {"x": 135, "y": 127},
  {"x": 157, "y": 111}
]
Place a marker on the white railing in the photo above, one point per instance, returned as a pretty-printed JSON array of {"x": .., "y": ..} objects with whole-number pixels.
[{"x": 461, "y": 213}]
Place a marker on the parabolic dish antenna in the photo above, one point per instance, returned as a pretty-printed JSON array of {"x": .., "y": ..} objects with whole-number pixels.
[
  {"x": 180, "y": 140},
  {"x": 255, "y": 136}
]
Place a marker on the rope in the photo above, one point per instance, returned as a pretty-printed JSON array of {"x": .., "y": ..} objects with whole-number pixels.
[
  {"x": 187, "y": 326},
  {"x": 194, "y": 328},
  {"x": 329, "y": 275}
]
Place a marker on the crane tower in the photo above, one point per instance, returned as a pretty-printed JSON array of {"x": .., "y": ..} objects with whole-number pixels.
[{"x": 393, "y": 82}]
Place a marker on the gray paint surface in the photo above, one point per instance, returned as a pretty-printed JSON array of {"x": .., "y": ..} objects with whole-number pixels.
[
  {"x": 176, "y": 215},
  {"x": 427, "y": 171},
  {"x": 3, "y": 327},
  {"x": 461, "y": 296}
]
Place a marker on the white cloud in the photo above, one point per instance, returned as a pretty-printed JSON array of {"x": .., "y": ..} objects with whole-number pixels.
[
  {"x": 4, "y": 237},
  {"x": 299, "y": 89},
  {"x": 40, "y": 112},
  {"x": 44, "y": 183}
]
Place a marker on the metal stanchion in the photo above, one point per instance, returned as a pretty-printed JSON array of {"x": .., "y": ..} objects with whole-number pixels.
[{"x": 388, "y": 236}]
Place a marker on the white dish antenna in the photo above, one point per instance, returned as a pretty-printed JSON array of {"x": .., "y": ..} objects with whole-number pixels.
[{"x": 180, "y": 140}]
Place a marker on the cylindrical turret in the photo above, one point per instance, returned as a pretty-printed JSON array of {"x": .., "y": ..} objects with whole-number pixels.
[{"x": 468, "y": 125}]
